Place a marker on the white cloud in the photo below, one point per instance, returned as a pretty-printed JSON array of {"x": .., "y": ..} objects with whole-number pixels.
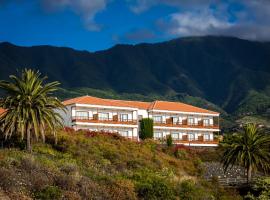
[
  {"x": 87, "y": 9},
  {"x": 197, "y": 23},
  {"x": 143, "y": 5},
  {"x": 252, "y": 21}
]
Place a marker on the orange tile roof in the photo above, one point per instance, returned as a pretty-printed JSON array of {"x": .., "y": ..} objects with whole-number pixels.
[
  {"x": 95, "y": 101},
  {"x": 136, "y": 104},
  {"x": 156, "y": 105},
  {"x": 177, "y": 106}
]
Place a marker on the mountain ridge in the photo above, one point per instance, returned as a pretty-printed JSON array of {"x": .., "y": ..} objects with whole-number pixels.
[{"x": 222, "y": 70}]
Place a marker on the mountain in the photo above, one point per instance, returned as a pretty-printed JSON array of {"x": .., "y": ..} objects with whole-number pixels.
[{"x": 226, "y": 71}]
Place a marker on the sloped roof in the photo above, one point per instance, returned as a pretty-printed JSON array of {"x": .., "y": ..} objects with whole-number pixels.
[
  {"x": 156, "y": 105},
  {"x": 177, "y": 106},
  {"x": 136, "y": 104},
  {"x": 95, "y": 101}
]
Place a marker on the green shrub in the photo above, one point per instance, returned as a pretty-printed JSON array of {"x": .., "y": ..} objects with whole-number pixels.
[
  {"x": 153, "y": 186},
  {"x": 169, "y": 140},
  {"x": 49, "y": 193},
  {"x": 146, "y": 128},
  {"x": 181, "y": 154}
]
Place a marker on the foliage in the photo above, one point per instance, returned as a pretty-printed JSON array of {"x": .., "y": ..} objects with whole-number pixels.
[
  {"x": 249, "y": 148},
  {"x": 261, "y": 190},
  {"x": 169, "y": 140},
  {"x": 49, "y": 193},
  {"x": 150, "y": 185},
  {"x": 146, "y": 128},
  {"x": 98, "y": 167},
  {"x": 30, "y": 108}
]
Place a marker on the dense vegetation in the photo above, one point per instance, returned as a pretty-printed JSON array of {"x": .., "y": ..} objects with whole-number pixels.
[{"x": 89, "y": 165}]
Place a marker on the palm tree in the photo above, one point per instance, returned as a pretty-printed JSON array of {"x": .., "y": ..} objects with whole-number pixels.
[
  {"x": 249, "y": 148},
  {"x": 29, "y": 106}
]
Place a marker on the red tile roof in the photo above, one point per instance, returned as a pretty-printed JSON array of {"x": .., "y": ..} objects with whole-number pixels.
[
  {"x": 136, "y": 104},
  {"x": 95, "y": 101},
  {"x": 156, "y": 105},
  {"x": 177, "y": 106}
]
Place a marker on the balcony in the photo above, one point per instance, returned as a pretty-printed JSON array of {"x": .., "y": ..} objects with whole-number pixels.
[
  {"x": 96, "y": 119},
  {"x": 200, "y": 140},
  {"x": 184, "y": 124},
  {"x": 189, "y": 141}
]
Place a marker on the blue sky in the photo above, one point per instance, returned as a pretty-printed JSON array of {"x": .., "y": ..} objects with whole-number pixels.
[{"x": 99, "y": 24}]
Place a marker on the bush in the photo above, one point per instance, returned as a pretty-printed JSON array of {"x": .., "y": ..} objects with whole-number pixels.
[
  {"x": 187, "y": 190},
  {"x": 155, "y": 189},
  {"x": 181, "y": 154},
  {"x": 169, "y": 140},
  {"x": 49, "y": 193},
  {"x": 146, "y": 128},
  {"x": 153, "y": 186}
]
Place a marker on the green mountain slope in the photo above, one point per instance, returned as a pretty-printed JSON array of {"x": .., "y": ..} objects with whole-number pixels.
[{"x": 222, "y": 70}]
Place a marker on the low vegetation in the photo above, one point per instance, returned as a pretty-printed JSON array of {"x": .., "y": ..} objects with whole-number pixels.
[{"x": 90, "y": 165}]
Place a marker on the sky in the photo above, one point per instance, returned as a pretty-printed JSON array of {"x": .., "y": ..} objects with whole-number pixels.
[{"x": 95, "y": 25}]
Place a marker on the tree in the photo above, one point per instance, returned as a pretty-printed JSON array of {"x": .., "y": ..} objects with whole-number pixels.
[
  {"x": 249, "y": 148},
  {"x": 29, "y": 106},
  {"x": 169, "y": 140},
  {"x": 146, "y": 128}
]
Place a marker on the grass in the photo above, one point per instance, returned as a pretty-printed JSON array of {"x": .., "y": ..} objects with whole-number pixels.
[{"x": 84, "y": 165}]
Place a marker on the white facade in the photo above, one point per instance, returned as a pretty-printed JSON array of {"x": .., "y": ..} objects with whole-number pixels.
[{"x": 188, "y": 128}]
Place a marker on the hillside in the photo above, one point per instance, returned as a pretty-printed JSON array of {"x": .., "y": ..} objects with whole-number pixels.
[
  {"x": 221, "y": 70},
  {"x": 87, "y": 165}
]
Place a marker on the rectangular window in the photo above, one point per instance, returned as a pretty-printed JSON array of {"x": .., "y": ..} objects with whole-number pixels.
[
  {"x": 191, "y": 136},
  {"x": 124, "y": 117},
  {"x": 175, "y": 120},
  {"x": 175, "y": 136},
  {"x": 206, "y": 137},
  {"x": 157, "y": 119},
  {"x": 123, "y": 133},
  {"x": 157, "y": 135},
  {"x": 103, "y": 116},
  {"x": 206, "y": 122},
  {"x": 81, "y": 114},
  {"x": 191, "y": 121}
]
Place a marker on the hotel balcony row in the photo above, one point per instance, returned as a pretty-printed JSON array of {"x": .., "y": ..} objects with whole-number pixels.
[
  {"x": 187, "y": 140},
  {"x": 97, "y": 119},
  {"x": 189, "y": 122}
]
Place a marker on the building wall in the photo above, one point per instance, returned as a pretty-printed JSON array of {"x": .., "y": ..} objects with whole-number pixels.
[{"x": 129, "y": 130}]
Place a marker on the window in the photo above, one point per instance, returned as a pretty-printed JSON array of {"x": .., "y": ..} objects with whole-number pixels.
[
  {"x": 175, "y": 136},
  {"x": 175, "y": 120},
  {"x": 191, "y": 137},
  {"x": 123, "y": 133},
  {"x": 81, "y": 114},
  {"x": 191, "y": 121},
  {"x": 206, "y": 122},
  {"x": 206, "y": 137},
  {"x": 157, "y": 119},
  {"x": 157, "y": 135},
  {"x": 103, "y": 116},
  {"x": 124, "y": 117}
]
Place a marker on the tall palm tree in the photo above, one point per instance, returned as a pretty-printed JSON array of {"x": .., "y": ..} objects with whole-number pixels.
[
  {"x": 29, "y": 106},
  {"x": 249, "y": 148}
]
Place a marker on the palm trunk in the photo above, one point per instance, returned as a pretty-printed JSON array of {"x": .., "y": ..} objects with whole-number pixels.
[
  {"x": 29, "y": 148},
  {"x": 249, "y": 174}
]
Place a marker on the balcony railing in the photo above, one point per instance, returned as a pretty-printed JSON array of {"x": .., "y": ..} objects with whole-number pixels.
[
  {"x": 191, "y": 141},
  {"x": 103, "y": 120},
  {"x": 185, "y": 124}
]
